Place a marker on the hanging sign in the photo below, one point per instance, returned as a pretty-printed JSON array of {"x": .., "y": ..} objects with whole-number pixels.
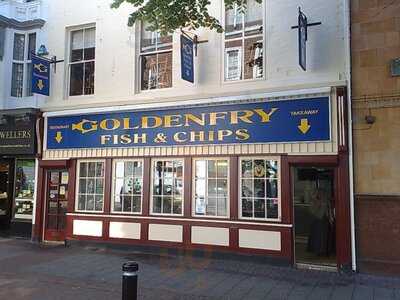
[
  {"x": 40, "y": 76},
  {"x": 303, "y": 40},
  {"x": 263, "y": 122},
  {"x": 187, "y": 61}
]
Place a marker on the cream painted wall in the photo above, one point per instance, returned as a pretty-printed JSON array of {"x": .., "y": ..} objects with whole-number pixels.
[{"x": 116, "y": 54}]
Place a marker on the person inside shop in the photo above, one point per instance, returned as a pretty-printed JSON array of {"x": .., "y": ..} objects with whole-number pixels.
[{"x": 321, "y": 231}]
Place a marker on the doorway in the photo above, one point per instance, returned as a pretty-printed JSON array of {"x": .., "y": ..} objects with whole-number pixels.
[
  {"x": 314, "y": 216},
  {"x": 6, "y": 193},
  {"x": 56, "y": 205}
]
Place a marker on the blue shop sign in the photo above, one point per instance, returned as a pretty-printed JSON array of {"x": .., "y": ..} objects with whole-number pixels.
[
  {"x": 40, "y": 76},
  {"x": 262, "y": 122}
]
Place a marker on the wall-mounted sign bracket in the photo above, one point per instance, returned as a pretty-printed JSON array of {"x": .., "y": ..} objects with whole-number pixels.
[
  {"x": 194, "y": 37},
  {"x": 302, "y": 27}
]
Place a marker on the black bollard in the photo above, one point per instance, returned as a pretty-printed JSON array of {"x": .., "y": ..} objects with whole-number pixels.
[{"x": 130, "y": 280}]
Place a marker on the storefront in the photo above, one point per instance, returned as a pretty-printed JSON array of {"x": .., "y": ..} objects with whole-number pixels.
[
  {"x": 265, "y": 175},
  {"x": 17, "y": 171}
]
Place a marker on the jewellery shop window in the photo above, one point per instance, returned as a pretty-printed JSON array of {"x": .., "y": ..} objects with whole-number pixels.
[
  {"x": 260, "y": 189},
  {"x": 24, "y": 189}
]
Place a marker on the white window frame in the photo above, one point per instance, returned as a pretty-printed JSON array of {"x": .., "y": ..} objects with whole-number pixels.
[
  {"x": 77, "y": 185},
  {"x": 275, "y": 158},
  {"x": 154, "y": 36},
  {"x": 113, "y": 179},
  {"x": 25, "y": 62},
  {"x": 243, "y": 38},
  {"x": 194, "y": 188},
  {"x": 239, "y": 49},
  {"x": 153, "y": 160},
  {"x": 83, "y": 61}
]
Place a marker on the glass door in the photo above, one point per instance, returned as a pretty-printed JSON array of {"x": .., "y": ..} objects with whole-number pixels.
[
  {"x": 57, "y": 205},
  {"x": 314, "y": 216}
]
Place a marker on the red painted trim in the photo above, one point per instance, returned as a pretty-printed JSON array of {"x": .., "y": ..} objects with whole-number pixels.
[
  {"x": 187, "y": 187},
  {"x": 343, "y": 234},
  {"x": 107, "y": 185},
  {"x": 234, "y": 187},
  {"x": 144, "y": 231},
  {"x": 233, "y": 233},
  {"x": 187, "y": 235},
  {"x": 72, "y": 185},
  {"x": 54, "y": 164},
  {"x": 146, "y": 186},
  {"x": 234, "y": 238},
  {"x": 313, "y": 160},
  {"x": 286, "y": 201},
  {"x": 40, "y": 199}
]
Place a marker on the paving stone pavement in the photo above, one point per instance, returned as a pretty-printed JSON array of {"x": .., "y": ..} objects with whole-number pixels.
[{"x": 31, "y": 271}]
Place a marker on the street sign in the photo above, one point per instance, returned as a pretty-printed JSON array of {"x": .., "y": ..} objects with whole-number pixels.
[
  {"x": 40, "y": 76},
  {"x": 187, "y": 61}
]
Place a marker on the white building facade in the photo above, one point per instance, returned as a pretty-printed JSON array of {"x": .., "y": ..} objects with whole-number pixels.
[
  {"x": 248, "y": 159},
  {"x": 21, "y": 33}
]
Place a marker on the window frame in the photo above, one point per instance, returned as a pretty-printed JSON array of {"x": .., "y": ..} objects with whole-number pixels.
[
  {"x": 153, "y": 160},
  {"x": 25, "y": 62},
  {"x": 113, "y": 179},
  {"x": 243, "y": 38},
  {"x": 68, "y": 62},
  {"x": 279, "y": 189},
  {"x": 193, "y": 187},
  {"x": 155, "y": 52},
  {"x": 76, "y": 205}
]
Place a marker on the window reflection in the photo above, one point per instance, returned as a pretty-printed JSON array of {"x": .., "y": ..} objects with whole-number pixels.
[
  {"x": 167, "y": 186},
  {"x": 211, "y": 187}
]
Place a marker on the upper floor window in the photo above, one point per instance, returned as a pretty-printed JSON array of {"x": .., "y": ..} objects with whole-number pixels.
[
  {"x": 82, "y": 62},
  {"x": 155, "y": 60},
  {"x": 21, "y": 78},
  {"x": 244, "y": 44}
]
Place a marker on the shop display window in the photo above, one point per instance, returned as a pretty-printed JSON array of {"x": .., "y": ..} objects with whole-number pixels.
[
  {"x": 259, "y": 188},
  {"x": 24, "y": 188},
  {"x": 167, "y": 187},
  {"x": 211, "y": 187},
  {"x": 127, "y": 186},
  {"x": 90, "y": 190}
]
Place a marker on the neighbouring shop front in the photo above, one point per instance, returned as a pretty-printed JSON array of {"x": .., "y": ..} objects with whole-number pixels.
[
  {"x": 17, "y": 171},
  {"x": 263, "y": 176}
]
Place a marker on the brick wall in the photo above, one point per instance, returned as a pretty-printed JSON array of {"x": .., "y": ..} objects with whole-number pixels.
[
  {"x": 378, "y": 234},
  {"x": 375, "y": 42}
]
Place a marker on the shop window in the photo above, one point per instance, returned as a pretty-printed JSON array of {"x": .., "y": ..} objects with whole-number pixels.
[
  {"x": 244, "y": 41},
  {"x": 24, "y": 188},
  {"x": 211, "y": 196},
  {"x": 259, "y": 189},
  {"x": 167, "y": 187},
  {"x": 155, "y": 60},
  {"x": 82, "y": 62},
  {"x": 21, "y": 77},
  {"x": 90, "y": 190},
  {"x": 127, "y": 186}
]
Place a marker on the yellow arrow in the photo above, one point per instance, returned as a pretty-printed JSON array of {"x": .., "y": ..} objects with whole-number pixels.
[
  {"x": 40, "y": 84},
  {"x": 59, "y": 137},
  {"x": 304, "y": 127}
]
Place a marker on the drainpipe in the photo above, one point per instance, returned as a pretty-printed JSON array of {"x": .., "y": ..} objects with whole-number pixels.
[{"x": 347, "y": 24}]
